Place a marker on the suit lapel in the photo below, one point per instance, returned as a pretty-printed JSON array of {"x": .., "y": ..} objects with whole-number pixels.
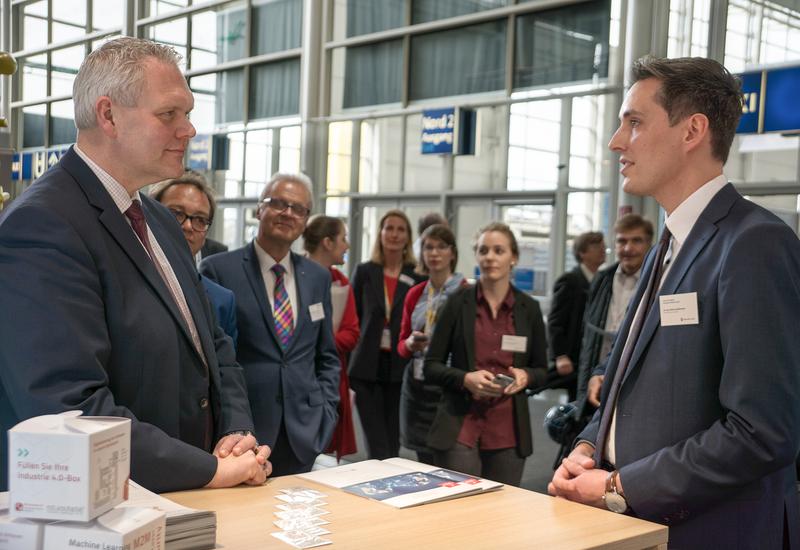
[
  {"x": 703, "y": 231},
  {"x": 303, "y": 289},
  {"x": 252, "y": 271},
  {"x": 469, "y": 309},
  {"x": 378, "y": 287},
  {"x": 521, "y": 327}
]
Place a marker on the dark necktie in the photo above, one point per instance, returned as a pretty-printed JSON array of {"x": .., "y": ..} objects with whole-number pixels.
[{"x": 651, "y": 291}]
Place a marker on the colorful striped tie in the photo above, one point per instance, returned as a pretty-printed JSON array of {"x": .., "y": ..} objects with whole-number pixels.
[{"x": 282, "y": 308}]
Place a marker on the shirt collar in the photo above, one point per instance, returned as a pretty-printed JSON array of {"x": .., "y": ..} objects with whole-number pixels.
[
  {"x": 587, "y": 272},
  {"x": 508, "y": 301},
  {"x": 683, "y": 218},
  {"x": 118, "y": 193},
  {"x": 621, "y": 275},
  {"x": 266, "y": 261}
]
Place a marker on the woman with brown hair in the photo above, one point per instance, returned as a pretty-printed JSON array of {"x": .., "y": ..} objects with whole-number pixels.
[
  {"x": 325, "y": 240},
  {"x": 420, "y": 399},
  {"x": 488, "y": 346},
  {"x": 376, "y": 369}
]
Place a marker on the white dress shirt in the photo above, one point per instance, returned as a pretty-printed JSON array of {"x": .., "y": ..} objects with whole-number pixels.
[
  {"x": 621, "y": 293},
  {"x": 680, "y": 224},
  {"x": 265, "y": 262}
]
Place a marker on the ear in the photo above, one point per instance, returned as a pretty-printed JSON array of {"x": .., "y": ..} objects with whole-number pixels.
[
  {"x": 104, "y": 114},
  {"x": 327, "y": 243},
  {"x": 696, "y": 131}
]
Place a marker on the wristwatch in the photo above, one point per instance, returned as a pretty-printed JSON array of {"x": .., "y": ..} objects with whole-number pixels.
[{"x": 613, "y": 498}]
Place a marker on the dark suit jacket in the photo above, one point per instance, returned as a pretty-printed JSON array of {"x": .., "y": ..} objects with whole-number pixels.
[
  {"x": 88, "y": 323},
  {"x": 708, "y": 415},
  {"x": 367, "y": 283},
  {"x": 211, "y": 247},
  {"x": 301, "y": 385},
  {"x": 565, "y": 320},
  {"x": 224, "y": 304},
  {"x": 454, "y": 338}
]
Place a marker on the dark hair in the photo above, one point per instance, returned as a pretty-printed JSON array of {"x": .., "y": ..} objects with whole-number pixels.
[
  {"x": 444, "y": 234},
  {"x": 319, "y": 228},
  {"x": 583, "y": 241},
  {"x": 190, "y": 177},
  {"x": 630, "y": 222},
  {"x": 377, "y": 247},
  {"x": 429, "y": 219},
  {"x": 498, "y": 227},
  {"x": 691, "y": 85}
]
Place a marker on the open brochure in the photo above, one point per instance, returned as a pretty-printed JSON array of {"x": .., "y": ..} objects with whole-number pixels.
[
  {"x": 400, "y": 482},
  {"x": 186, "y": 527}
]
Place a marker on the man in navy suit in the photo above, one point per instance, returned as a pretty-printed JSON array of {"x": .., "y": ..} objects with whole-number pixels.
[
  {"x": 286, "y": 345},
  {"x": 699, "y": 424},
  {"x": 191, "y": 200},
  {"x": 102, "y": 309}
]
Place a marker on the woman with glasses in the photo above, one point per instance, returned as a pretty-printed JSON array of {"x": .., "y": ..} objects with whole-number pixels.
[
  {"x": 376, "y": 369},
  {"x": 419, "y": 400},
  {"x": 325, "y": 240},
  {"x": 488, "y": 346}
]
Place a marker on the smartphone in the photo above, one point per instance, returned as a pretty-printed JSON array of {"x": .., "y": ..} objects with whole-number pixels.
[
  {"x": 420, "y": 338},
  {"x": 503, "y": 380}
]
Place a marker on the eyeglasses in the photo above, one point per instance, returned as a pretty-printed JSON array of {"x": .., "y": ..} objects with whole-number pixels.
[
  {"x": 198, "y": 223},
  {"x": 280, "y": 205}
]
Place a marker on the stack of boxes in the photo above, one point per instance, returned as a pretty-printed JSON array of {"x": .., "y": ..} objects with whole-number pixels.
[{"x": 67, "y": 473}]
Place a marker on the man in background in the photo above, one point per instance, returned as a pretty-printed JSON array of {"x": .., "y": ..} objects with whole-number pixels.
[
  {"x": 191, "y": 200},
  {"x": 286, "y": 343},
  {"x": 565, "y": 320},
  {"x": 102, "y": 311},
  {"x": 423, "y": 223}
]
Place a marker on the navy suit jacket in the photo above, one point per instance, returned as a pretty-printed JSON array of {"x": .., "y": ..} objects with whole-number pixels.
[
  {"x": 224, "y": 304},
  {"x": 88, "y": 323},
  {"x": 708, "y": 415},
  {"x": 301, "y": 385}
]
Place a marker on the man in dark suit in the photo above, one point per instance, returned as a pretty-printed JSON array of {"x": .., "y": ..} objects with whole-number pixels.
[
  {"x": 565, "y": 320},
  {"x": 699, "y": 422},
  {"x": 286, "y": 344},
  {"x": 191, "y": 200},
  {"x": 102, "y": 308},
  {"x": 211, "y": 247}
]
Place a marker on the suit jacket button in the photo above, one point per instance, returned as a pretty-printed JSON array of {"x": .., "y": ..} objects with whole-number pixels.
[{"x": 204, "y": 403}]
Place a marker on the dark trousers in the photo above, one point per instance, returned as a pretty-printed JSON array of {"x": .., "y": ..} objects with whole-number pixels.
[
  {"x": 378, "y": 405},
  {"x": 503, "y": 465},
  {"x": 284, "y": 462}
]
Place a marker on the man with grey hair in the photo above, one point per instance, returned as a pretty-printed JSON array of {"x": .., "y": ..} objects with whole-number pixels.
[
  {"x": 102, "y": 307},
  {"x": 286, "y": 346}
]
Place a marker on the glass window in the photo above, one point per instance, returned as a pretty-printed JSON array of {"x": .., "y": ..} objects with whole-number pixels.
[
  {"x": 62, "y": 123},
  {"x": 380, "y": 158},
  {"x": 34, "y": 25},
  {"x": 173, "y": 33},
  {"x": 532, "y": 225},
  {"x": 459, "y": 61},
  {"x": 209, "y": 112},
  {"x": 422, "y": 172},
  {"x": 33, "y": 118},
  {"x": 258, "y": 159},
  {"x": 275, "y": 89},
  {"x": 485, "y": 169},
  {"x": 763, "y": 158},
  {"x": 65, "y": 65},
  {"x": 587, "y": 141},
  {"x": 231, "y": 23},
  {"x": 562, "y": 45},
  {"x": 688, "y": 28},
  {"x": 33, "y": 71},
  {"x": 69, "y": 19},
  {"x": 585, "y": 212},
  {"x": 373, "y": 74},
  {"x": 289, "y": 155},
  {"x": 109, "y": 15},
  {"x": 340, "y": 151},
  {"x": 533, "y": 145},
  {"x": 469, "y": 217},
  {"x": 432, "y": 10},
  {"x": 235, "y": 171},
  {"x": 161, "y": 7},
  {"x": 355, "y": 17},
  {"x": 277, "y": 25}
]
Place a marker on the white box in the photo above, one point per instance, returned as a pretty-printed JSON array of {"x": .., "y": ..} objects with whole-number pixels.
[
  {"x": 19, "y": 533},
  {"x": 120, "y": 529},
  {"x": 68, "y": 467}
]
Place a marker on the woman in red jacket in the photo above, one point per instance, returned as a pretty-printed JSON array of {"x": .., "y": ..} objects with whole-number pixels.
[{"x": 325, "y": 240}]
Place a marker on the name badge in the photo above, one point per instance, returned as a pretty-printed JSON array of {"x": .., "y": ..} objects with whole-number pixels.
[
  {"x": 316, "y": 311},
  {"x": 386, "y": 340},
  {"x": 419, "y": 368},
  {"x": 514, "y": 343},
  {"x": 678, "y": 309},
  {"x": 406, "y": 280}
]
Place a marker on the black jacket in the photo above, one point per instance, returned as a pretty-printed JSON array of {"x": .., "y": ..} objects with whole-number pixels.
[{"x": 565, "y": 321}]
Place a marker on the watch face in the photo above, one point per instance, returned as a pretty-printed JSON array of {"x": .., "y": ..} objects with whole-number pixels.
[{"x": 615, "y": 502}]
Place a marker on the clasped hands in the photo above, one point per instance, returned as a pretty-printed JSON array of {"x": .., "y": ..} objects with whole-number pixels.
[
  {"x": 481, "y": 384},
  {"x": 578, "y": 480},
  {"x": 240, "y": 460}
]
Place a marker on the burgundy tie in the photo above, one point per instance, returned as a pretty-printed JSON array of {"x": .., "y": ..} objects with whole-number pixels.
[{"x": 653, "y": 284}]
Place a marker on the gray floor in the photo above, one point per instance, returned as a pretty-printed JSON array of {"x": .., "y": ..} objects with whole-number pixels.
[{"x": 538, "y": 467}]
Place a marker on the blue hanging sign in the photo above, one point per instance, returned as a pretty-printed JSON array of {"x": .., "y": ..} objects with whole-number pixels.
[
  {"x": 438, "y": 131},
  {"x": 770, "y": 101}
]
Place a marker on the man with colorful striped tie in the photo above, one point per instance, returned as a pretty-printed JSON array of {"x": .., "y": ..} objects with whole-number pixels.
[{"x": 286, "y": 344}]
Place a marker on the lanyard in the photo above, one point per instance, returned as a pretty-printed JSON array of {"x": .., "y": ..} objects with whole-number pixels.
[
  {"x": 431, "y": 304},
  {"x": 387, "y": 303}
]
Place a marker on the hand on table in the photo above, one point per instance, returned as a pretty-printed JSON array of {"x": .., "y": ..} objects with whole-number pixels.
[{"x": 577, "y": 479}]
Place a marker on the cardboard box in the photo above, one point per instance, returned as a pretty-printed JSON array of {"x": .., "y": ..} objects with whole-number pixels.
[
  {"x": 19, "y": 533},
  {"x": 68, "y": 467},
  {"x": 120, "y": 529}
]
